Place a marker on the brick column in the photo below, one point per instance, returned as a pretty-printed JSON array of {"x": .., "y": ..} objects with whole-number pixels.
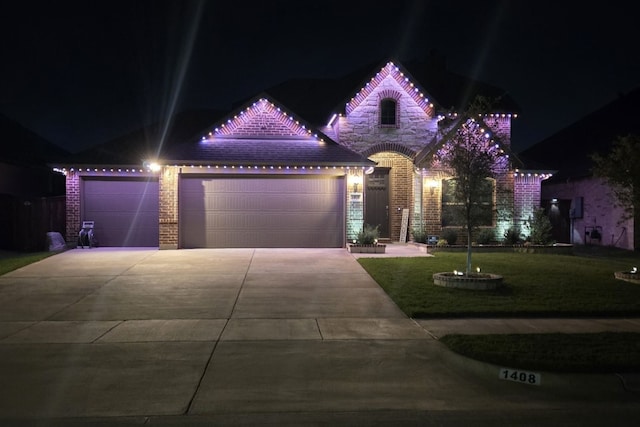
[
  {"x": 73, "y": 206},
  {"x": 168, "y": 214}
]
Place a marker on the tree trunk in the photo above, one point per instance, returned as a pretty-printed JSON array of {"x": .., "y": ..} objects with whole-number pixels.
[{"x": 468, "y": 250}]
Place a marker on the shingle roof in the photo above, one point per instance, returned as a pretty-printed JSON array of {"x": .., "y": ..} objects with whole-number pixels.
[
  {"x": 22, "y": 147},
  {"x": 312, "y": 100},
  {"x": 294, "y": 151},
  {"x": 149, "y": 141},
  {"x": 569, "y": 150}
]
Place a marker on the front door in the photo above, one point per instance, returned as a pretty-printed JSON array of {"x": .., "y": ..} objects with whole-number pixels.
[{"x": 376, "y": 210}]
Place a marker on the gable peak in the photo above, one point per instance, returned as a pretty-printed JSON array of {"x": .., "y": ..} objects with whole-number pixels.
[
  {"x": 262, "y": 118},
  {"x": 394, "y": 71}
]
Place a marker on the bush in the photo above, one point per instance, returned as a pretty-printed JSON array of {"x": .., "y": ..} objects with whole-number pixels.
[
  {"x": 368, "y": 235},
  {"x": 539, "y": 227},
  {"x": 512, "y": 236},
  {"x": 485, "y": 236},
  {"x": 450, "y": 235},
  {"x": 419, "y": 236}
]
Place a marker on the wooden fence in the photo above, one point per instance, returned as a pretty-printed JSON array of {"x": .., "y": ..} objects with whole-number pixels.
[{"x": 24, "y": 222}]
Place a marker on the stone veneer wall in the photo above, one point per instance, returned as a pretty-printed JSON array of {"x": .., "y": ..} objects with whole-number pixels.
[
  {"x": 360, "y": 130},
  {"x": 168, "y": 215}
]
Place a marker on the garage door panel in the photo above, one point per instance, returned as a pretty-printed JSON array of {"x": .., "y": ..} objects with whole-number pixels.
[
  {"x": 262, "y": 212},
  {"x": 125, "y": 211}
]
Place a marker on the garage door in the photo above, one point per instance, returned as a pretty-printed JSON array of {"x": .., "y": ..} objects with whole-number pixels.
[
  {"x": 278, "y": 211},
  {"x": 125, "y": 211}
]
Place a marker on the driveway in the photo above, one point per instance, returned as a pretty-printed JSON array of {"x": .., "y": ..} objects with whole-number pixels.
[{"x": 237, "y": 336}]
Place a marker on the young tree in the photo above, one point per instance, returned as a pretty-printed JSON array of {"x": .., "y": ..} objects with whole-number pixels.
[
  {"x": 620, "y": 169},
  {"x": 474, "y": 161}
]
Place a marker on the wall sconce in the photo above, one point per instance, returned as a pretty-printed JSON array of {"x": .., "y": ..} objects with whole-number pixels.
[
  {"x": 432, "y": 184},
  {"x": 356, "y": 181}
]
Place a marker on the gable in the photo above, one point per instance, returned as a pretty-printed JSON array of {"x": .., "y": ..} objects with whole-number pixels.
[
  {"x": 265, "y": 134},
  {"x": 261, "y": 119},
  {"x": 390, "y": 82}
]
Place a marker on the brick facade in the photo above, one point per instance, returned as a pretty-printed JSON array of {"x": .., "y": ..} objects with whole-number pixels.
[
  {"x": 168, "y": 216},
  {"x": 400, "y": 188},
  {"x": 392, "y": 146},
  {"x": 598, "y": 210},
  {"x": 73, "y": 205},
  {"x": 527, "y": 194}
]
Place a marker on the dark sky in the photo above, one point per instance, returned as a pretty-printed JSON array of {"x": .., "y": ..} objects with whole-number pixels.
[{"x": 79, "y": 73}]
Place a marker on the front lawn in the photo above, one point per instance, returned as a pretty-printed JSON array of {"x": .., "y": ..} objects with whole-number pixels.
[
  {"x": 534, "y": 285},
  {"x": 604, "y": 352},
  {"x": 10, "y": 261}
]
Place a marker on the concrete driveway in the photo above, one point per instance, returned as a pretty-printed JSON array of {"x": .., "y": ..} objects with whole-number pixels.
[{"x": 237, "y": 337}]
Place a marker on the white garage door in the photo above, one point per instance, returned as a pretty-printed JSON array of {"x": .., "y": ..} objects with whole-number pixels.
[
  {"x": 259, "y": 212},
  {"x": 125, "y": 211}
]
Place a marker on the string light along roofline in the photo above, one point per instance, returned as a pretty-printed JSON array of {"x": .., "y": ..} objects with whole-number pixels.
[{"x": 260, "y": 106}]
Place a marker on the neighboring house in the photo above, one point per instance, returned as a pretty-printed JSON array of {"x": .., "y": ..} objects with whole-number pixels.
[
  {"x": 30, "y": 192},
  {"x": 582, "y": 207},
  {"x": 305, "y": 164}
]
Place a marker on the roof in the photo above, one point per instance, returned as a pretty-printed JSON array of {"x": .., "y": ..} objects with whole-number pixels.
[
  {"x": 316, "y": 100},
  {"x": 569, "y": 150},
  {"x": 149, "y": 141},
  {"x": 23, "y": 147},
  {"x": 263, "y": 132},
  {"x": 249, "y": 152}
]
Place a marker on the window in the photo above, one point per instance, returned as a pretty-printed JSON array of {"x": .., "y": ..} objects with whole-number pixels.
[
  {"x": 388, "y": 112},
  {"x": 453, "y": 209}
]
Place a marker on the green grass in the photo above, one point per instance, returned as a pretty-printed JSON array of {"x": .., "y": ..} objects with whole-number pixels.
[
  {"x": 535, "y": 285},
  {"x": 604, "y": 352},
  {"x": 10, "y": 261}
]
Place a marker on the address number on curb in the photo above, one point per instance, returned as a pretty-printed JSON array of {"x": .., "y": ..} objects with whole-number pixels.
[{"x": 523, "y": 377}]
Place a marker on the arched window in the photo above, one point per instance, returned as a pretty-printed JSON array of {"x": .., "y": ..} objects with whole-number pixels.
[{"x": 388, "y": 112}]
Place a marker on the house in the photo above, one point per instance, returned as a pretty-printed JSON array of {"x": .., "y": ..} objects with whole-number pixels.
[
  {"x": 581, "y": 207},
  {"x": 305, "y": 164}
]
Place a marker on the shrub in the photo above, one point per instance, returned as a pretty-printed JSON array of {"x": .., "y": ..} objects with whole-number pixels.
[
  {"x": 450, "y": 235},
  {"x": 368, "y": 235},
  {"x": 512, "y": 236},
  {"x": 419, "y": 236},
  {"x": 485, "y": 236},
  {"x": 539, "y": 227}
]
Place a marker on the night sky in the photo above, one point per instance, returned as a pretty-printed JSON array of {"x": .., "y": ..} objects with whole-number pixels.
[{"x": 80, "y": 73}]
